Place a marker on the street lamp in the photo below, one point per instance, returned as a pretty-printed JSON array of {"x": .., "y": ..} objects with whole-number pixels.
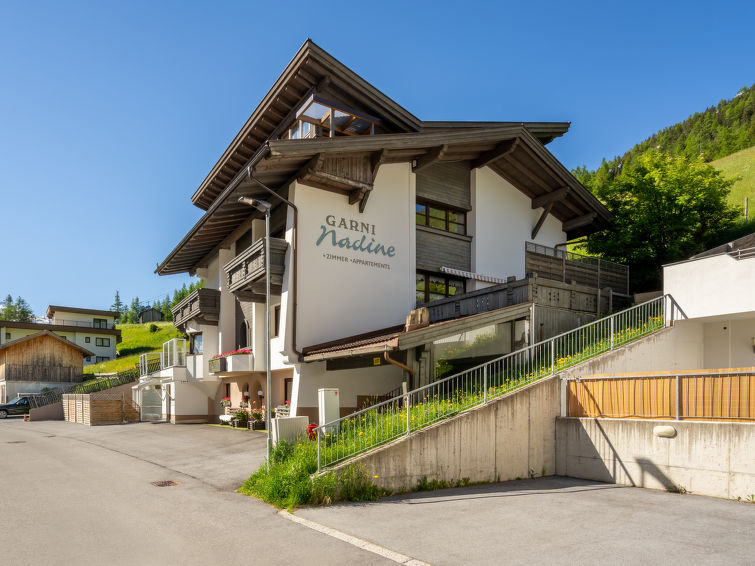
[{"x": 264, "y": 207}]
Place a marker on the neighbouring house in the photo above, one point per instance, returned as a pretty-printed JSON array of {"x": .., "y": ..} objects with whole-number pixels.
[
  {"x": 150, "y": 315},
  {"x": 413, "y": 249},
  {"x": 37, "y": 361},
  {"x": 89, "y": 328}
]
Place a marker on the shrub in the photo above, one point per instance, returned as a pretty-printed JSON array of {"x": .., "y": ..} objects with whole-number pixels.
[{"x": 153, "y": 327}]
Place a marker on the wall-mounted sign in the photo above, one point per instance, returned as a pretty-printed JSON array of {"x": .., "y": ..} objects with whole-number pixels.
[{"x": 348, "y": 234}]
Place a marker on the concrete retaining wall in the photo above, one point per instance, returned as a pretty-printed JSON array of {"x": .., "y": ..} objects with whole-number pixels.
[
  {"x": 511, "y": 437},
  {"x": 705, "y": 458}
]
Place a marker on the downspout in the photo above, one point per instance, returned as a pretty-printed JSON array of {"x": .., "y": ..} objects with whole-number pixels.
[
  {"x": 397, "y": 363},
  {"x": 294, "y": 256}
]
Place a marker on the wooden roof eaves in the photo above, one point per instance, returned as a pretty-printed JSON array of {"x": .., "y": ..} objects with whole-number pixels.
[
  {"x": 334, "y": 67},
  {"x": 86, "y": 353},
  {"x": 544, "y": 131},
  {"x": 578, "y": 189},
  {"x": 216, "y": 204}
]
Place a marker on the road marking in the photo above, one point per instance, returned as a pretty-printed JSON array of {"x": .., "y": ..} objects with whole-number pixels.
[{"x": 354, "y": 541}]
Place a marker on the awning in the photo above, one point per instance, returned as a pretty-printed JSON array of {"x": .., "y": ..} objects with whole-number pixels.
[{"x": 470, "y": 275}]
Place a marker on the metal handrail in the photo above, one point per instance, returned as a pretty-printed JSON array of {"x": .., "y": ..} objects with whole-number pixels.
[
  {"x": 743, "y": 253},
  {"x": 392, "y": 418}
]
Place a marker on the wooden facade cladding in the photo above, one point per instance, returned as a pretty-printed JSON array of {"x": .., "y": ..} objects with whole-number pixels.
[
  {"x": 246, "y": 272},
  {"x": 203, "y": 305},
  {"x": 581, "y": 270},
  {"x": 42, "y": 358},
  {"x": 446, "y": 183},
  {"x": 436, "y": 249}
]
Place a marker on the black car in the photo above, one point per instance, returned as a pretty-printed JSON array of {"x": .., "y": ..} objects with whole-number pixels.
[{"x": 18, "y": 406}]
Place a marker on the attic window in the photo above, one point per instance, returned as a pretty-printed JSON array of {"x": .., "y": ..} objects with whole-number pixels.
[{"x": 319, "y": 117}]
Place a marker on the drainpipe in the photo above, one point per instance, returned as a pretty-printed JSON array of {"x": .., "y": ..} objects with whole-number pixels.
[
  {"x": 390, "y": 360},
  {"x": 294, "y": 286}
]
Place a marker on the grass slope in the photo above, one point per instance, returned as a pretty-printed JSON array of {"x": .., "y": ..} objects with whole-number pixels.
[
  {"x": 740, "y": 164},
  {"x": 137, "y": 339}
]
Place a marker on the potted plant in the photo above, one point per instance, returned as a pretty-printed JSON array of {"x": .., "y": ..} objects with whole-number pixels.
[
  {"x": 258, "y": 416},
  {"x": 240, "y": 419}
]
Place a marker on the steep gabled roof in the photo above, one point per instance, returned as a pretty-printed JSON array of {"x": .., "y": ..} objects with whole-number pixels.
[
  {"x": 313, "y": 70},
  {"x": 86, "y": 353}
]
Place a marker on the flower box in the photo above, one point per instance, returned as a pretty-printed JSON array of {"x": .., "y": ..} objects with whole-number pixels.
[
  {"x": 240, "y": 362},
  {"x": 257, "y": 425},
  {"x": 217, "y": 365}
]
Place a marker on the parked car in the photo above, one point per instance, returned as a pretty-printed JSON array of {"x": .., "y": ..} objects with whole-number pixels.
[{"x": 19, "y": 406}]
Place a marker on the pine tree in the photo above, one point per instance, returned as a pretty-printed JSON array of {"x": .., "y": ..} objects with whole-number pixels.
[{"x": 117, "y": 305}]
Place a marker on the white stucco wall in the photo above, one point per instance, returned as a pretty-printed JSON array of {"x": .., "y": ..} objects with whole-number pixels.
[
  {"x": 341, "y": 297},
  {"x": 712, "y": 286},
  {"x": 501, "y": 221},
  {"x": 350, "y": 382}
]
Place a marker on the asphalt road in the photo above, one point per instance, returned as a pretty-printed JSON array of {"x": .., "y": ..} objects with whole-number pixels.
[{"x": 75, "y": 495}]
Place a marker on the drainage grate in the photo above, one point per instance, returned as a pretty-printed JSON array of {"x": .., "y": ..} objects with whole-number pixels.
[
  {"x": 16, "y": 442},
  {"x": 164, "y": 483}
]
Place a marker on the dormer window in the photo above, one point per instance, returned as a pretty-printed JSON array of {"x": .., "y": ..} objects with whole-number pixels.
[{"x": 318, "y": 117}]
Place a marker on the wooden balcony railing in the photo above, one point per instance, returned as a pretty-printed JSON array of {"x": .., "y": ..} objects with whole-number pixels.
[
  {"x": 246, "y": 272},
  {"x": 203, "y": 305}
]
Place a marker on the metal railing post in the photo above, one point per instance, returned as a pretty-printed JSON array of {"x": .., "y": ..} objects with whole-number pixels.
[
  {"x": 553, "y": 356},
  {"x": 319, "y": 466},
  {"x": 612, "y": 327},
  {"x": 485, "y": 384},
  {"x": 406, "y": 404}
]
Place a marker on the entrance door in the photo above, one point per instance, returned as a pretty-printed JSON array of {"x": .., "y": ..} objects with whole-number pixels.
[{"x": 152, "y": 404}]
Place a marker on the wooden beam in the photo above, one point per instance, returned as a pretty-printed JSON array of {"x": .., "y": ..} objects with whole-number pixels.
[
  {"x": 499, "y": 151},
  {"x": 430, "y": 157},
  {"x": 363, "y": 202},
  {"x": 579, "y": 221},
  {"x": 550, "y": 198},
  {"x": 376, "y": 160},
  {"x": 540, "y": 220}
]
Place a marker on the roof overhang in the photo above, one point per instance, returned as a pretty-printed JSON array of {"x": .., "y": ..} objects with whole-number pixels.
[
  {"x": 510, "y": 150},
  {"x": 84, "y": 352}
]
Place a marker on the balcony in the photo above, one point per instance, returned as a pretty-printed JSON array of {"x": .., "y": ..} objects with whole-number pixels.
[
  {"x": 173, "y": 355},
  {"x": 232, "y": 365},
  {"x": 202, "y": 306},
  {"x": 246, "y": 272}
]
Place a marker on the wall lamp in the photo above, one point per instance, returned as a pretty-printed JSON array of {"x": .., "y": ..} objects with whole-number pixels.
[{"x": 261, "y": 205}]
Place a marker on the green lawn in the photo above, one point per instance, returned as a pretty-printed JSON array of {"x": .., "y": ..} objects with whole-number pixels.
[
  {"x": 742, "y": 165},
  {"x": 137, "y": 340}
]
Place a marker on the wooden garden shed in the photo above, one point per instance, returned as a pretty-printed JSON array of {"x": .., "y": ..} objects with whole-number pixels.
[{"x": 43, "y": 359}]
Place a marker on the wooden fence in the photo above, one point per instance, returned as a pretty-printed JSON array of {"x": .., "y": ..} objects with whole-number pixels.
[
  {"x": 715, "y": 395},
  {"x": 100, "y": 408}
]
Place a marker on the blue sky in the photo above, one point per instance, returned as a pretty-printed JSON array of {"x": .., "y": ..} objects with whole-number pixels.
[{"x": 111, "y": 114}]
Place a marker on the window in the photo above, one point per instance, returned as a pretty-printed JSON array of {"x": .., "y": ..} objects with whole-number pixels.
[
  {"x": 102, "y": 342},
  {"x": 87, "y": 340},
  {"x": 100, "y": 323},
  {"x": 431, "y": 287},
  {"x": 441, "y": 218},
  {"x": 102, "y": 359},
  {"x": 7, "y": 335},
  {"x": 195, "y": 343},
  {"x": 276, "y": 321},
  {"x": 89, "y": 359}
]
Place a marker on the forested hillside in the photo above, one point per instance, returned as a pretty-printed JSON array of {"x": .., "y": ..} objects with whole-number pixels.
[{"x": 719, "y": 131}]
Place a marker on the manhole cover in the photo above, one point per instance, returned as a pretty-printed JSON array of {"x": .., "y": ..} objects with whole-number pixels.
[
  {"x": 16, "y": 442},
  {"x": 164, "y": 483}
]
